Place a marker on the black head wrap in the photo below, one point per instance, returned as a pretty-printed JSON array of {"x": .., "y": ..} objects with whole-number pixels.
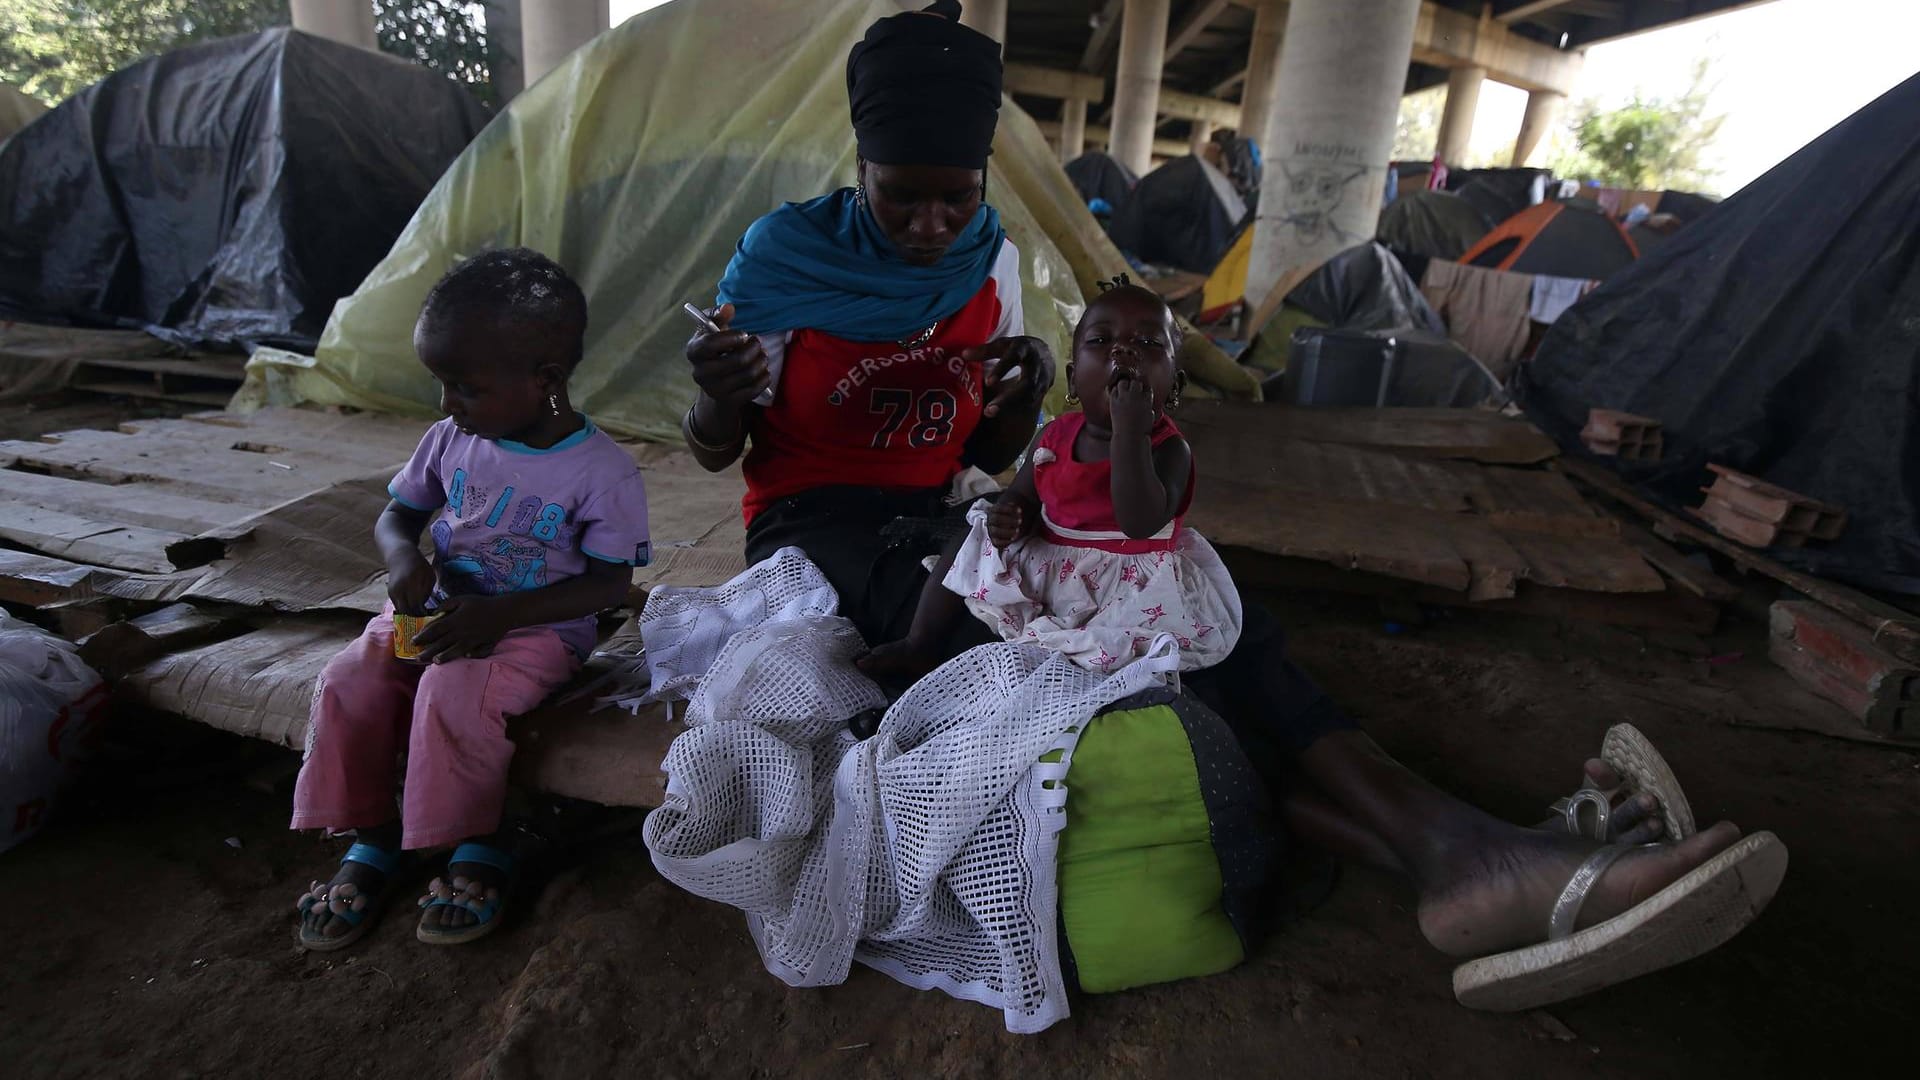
[{"x": 925, "y": 90}]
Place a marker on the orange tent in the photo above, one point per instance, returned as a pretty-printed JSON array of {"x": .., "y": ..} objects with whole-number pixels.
[{"x": 1560, "y": 239}]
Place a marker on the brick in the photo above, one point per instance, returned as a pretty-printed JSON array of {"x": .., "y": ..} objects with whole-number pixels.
[
  {"x": 1836, "y": 658},
  {"x": 1620, "y": 434},
  {"x": 1776, "y": 505},
  {"x": 1738, "y": 527}
]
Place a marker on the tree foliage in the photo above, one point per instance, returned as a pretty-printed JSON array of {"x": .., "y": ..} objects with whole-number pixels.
[
  {"x": 448, "y": 36},
  {"x": 52, "y": 48},
  {"x": 1649, "y": 143}
]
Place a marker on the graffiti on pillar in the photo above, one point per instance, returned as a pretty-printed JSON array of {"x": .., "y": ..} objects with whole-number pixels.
[{"x": 1314, "y": 192}]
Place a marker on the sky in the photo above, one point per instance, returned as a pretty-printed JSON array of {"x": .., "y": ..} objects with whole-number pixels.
[{"x": 1784, "y": 72}]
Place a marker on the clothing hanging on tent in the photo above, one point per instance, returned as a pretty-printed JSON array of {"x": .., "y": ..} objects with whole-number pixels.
[
  {"x": 1552, "y": 296},
  {"x": 1485, "y": 310}
]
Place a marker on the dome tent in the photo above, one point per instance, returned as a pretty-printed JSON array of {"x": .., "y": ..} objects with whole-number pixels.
[{"x": 226, "y": 193}]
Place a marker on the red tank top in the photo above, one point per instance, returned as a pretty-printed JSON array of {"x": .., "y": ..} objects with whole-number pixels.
[
  {"x": 877, "y": 415},
  {"x": 1076, "y": 497}
]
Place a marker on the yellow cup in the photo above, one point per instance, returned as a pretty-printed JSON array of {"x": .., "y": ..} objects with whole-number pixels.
[{"x": 405, "y": 629}]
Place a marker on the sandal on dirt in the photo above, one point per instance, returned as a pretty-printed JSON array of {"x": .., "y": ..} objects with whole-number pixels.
[
  {"x": 469, "y": 898},
  {"x": 359, "y": 920},
  {"x": 1642, "y": 769},
  {"x": 1710, "y": 904}
]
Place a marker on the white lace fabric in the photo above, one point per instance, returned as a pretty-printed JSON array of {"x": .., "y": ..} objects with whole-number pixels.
[{"x": 926, "y": 851}]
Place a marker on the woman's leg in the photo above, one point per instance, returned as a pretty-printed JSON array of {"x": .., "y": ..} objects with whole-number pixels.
[
  {"x": 459, "y": 751},
  {"x": 1484, "y": 884}
]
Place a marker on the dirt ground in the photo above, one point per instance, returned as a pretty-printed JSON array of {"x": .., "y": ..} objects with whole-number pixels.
[{"x": 150, "y": 929}]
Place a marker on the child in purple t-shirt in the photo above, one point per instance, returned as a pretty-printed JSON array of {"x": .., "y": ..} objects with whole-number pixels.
[{"x": 537, "y": 520}]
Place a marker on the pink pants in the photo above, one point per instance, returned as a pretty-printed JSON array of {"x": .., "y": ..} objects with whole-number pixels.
[{"x": 450, "y": 719}]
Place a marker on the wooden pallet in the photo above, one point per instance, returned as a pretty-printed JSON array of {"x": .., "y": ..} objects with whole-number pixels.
[
  {"x": 121, "y": 499},
  {"x": 208, "y": 381}
]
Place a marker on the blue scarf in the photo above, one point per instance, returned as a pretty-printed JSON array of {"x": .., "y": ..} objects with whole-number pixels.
[{"x": 825, "y": 265}]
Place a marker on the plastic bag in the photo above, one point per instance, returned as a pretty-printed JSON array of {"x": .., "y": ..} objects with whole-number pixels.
[{"x": 49, "y": 703}]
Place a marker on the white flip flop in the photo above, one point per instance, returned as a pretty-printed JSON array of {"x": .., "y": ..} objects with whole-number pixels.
[
  {"x": 1631, "y": 754},
  {"x": 1710, "y": 904}
]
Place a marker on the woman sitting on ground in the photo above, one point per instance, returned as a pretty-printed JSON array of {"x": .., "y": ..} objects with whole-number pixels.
[{"x": 871, "y": 350}]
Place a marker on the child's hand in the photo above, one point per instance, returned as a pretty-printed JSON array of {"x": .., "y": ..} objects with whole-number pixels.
[
  {"x": 410, "y": 584},
  {"x": 1131, "y": 402},
  {"x": 468, "y": 627},
  {"x": 1011, "y": 519}
]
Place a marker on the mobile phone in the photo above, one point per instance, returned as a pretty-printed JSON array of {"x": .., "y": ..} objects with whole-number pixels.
[{"x": 700, "y": 317}]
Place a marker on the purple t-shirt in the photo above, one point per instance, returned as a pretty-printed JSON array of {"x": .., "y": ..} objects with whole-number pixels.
[{"x": 513, "y": 517}]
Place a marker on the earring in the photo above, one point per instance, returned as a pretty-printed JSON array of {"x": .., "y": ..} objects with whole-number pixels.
[
  {"x": 553, "y": 403},
  {"x": 1173, "y": 399},
  {"x": 1073, "y": 400},
  {"x": 860, "y": 194}
]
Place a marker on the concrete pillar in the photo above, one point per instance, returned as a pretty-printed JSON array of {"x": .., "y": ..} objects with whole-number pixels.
[
  {"x": 1073, "y": 129},
  {"x": 504, "y": 49},
  {"x": 1543, "y": 111},
  {"x": 1202, "y": 132},
  {"x": 1263, "y": 69},
  {"x": 1342, "y": 69},
  {"x": 550, "y": 29},
  {"x": 1136, "y": 87},
  {"x": 349, "y": 22},
  {"x": 987, "y": 16},
  {"x": 1456, "y": 119}
]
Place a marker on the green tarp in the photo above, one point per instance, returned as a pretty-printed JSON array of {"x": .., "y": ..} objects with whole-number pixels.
[{"x": 637, "y": 164}]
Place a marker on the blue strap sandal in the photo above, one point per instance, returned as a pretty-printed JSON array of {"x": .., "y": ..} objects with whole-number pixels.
[
  {"x": 359, "y": 909},
  {"x": 472, "y": 897}
]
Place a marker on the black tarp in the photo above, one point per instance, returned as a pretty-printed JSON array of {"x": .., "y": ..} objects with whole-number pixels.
[
  {"x": 1182, "y": 214},
  {"x": 1779, "y": 335},
  {"x": 224, "y": 194},
  {"x": 1686, "y": 205},
  {"x": 1436, "y": 224},
  {"x": 1098, "y": 176},
  {"x": 1499, "y": 193}
]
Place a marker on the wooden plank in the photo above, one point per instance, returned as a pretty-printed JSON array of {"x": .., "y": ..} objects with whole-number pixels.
[
  {"x": 152, "y": 505},
  {"x": 152, "y": 390},
  {"x": 231, "y": 369},
  {"x": 1669, "y": 610},
  {"x": 128, "y": 645},
  {"x": 1677, "y": 568},
  {"x": 1891, "y": 628},
  {"x": 1398, "y": 542},
  {"x": 608, "y": 756},
  {"x": 368, "y": 439},
  {"x": 259, "y": 684},
  {"x": 71, "y": 536},
  {"x": 39, "y": 580},
  {"x": 213, "y": 474},
  {"x": 1467, "y": 434}
]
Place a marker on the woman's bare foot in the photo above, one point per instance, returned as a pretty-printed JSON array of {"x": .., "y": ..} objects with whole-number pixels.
[
  {"x": 1634, "y": 819},
  {"x": 1503, "y": 887}
]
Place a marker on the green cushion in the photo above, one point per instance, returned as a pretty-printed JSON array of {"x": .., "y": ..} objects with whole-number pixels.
[{"x": 1140, "y": 887}]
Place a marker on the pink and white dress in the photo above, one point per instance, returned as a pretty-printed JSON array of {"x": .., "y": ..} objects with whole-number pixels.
[{"x": 1081, "y": 586}]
